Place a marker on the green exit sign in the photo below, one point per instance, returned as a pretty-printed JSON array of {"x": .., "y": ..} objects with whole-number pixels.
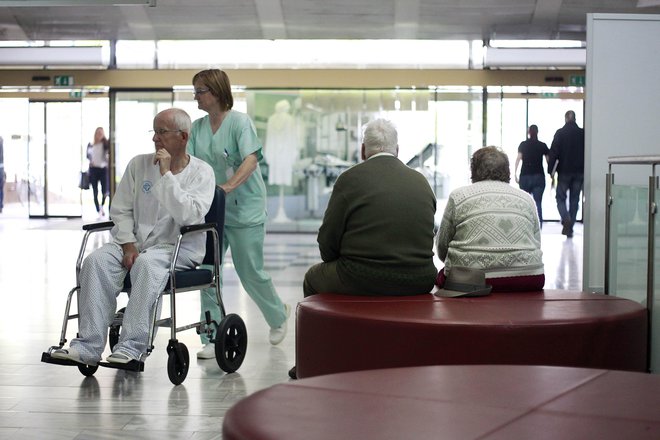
[
  {"x": 576, "y": 80},
  {"x": 63, "y": 80}
]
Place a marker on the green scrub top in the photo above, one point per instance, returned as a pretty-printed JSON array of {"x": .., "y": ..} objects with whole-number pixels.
[{"x": 225, "y": 151}]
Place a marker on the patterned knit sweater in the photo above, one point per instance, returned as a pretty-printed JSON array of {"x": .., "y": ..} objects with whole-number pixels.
[{"x": 492, "y": 226}]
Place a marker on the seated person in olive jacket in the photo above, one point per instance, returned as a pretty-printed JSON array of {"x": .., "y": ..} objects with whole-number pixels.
[{"x": 377, "y": 233}]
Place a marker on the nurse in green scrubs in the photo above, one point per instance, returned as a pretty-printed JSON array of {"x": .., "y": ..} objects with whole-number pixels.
[{"x": 227, "y": 140}]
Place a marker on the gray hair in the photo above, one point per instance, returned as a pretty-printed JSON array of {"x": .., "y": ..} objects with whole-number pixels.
[
  {"x": 181, "y": 120},
  {"x": 490, "y": 163},
  {"x": 178, "y": 117},
  {"x": 380, "y": 137}
]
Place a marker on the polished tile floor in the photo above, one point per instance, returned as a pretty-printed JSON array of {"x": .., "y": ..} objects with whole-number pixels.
[{"x": 44, "y": 401}]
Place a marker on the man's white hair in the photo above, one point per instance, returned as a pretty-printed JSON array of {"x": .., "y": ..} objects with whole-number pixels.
[
  {"x": 380, "y": 136},
  {"x": 181, "y": 119}
]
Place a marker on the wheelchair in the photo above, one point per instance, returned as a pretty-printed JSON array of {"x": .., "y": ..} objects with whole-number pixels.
[{"x": 229, "y": 335}]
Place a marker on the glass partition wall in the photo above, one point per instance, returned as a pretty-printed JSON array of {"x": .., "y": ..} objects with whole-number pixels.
[
  {"x": 439, "y": 129},
  {"x": 323, "y": 138},
  {"x": 632, "y": 244}
]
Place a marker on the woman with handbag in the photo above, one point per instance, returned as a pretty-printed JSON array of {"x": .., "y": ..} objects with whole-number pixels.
[{"x": 98, "y": 153}]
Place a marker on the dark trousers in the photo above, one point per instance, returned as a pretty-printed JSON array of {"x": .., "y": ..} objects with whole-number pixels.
[
  {"x": 572, "y": 184},
  {"x": 535, "y": 185},
  {"x": 96, "y": 176},
  {"x": 325, "y": 278}
]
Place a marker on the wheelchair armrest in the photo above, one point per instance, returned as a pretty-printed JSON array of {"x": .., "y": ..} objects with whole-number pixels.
[
  {"x": 98, "y": 226},
  {"x": 89, "y": 229},
  {"x": 199, "y": 227}
]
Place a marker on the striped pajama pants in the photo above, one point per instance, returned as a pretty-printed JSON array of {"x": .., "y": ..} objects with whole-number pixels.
[{"x": 101, "y": 281}]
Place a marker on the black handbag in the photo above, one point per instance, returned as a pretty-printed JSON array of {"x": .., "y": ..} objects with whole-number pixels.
[{"x": 84, "y": 180}]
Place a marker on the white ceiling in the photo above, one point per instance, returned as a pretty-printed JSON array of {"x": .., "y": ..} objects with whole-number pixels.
[{"x": 312, "y": 19}]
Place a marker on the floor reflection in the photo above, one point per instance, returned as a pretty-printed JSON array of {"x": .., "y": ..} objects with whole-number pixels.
[{"x": 562, "y": 257}]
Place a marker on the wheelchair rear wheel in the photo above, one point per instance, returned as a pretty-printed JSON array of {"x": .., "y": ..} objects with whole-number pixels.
[
  {"x": 88, "y": 370},
  {"x": 231, "y": 343},
  {"x": 178, "y": 361}
]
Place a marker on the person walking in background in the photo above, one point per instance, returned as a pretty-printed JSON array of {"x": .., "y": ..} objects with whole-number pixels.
[
  {"x": 227, "y": 140},
  {"x": 532, "y": 176},
  {"x": 567, "y": 158},
  {"x": 98, "y": 153}
]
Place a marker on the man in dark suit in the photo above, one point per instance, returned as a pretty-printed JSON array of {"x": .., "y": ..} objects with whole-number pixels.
[
  {"x": 377, "y": 233},
  {"x": 567, "y": 157}
]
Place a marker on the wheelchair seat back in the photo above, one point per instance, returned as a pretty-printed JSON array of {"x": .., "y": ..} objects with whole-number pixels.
[
  {"x": 196, "y": 277},
  {"x": 215, "y": 215}
]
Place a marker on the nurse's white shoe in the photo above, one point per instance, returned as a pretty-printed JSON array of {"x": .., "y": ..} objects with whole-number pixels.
[
  {"x": 208, "y": 352},
  {"x": 278, "y": 334}
]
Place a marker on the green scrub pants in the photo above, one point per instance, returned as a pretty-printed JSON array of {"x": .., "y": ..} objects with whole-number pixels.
[{"x": 247, "y": 251}]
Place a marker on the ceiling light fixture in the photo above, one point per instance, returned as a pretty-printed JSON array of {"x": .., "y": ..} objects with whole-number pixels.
[
  {"x": 32, "y": 3},
  {"x": 535, "y": 44}
]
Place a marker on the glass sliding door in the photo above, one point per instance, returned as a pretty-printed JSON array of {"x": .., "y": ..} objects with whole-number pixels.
[
  {"x": 95, "y": 113},
  {"x": 54, "y": 160},
  {"x": 14, "y": 132},
  {"x": 510, "y": 112},
  {"x": 548, "y": 115}
]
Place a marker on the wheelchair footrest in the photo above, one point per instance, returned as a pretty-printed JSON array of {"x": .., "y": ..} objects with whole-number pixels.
[
  {"x": 129, "y": 366},
  {"x": 46, "y": 357}
]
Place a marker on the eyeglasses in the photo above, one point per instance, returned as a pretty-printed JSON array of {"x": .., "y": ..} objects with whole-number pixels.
[
  {"x": 200, "y": 91},
  {"x": 162, "y": 131}
]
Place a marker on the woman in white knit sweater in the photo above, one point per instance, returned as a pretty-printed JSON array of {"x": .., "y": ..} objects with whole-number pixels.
[{"x": 492, "y": 226}]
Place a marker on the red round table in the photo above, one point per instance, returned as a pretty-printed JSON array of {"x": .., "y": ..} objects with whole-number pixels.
[{"x": 486, "y": 402}]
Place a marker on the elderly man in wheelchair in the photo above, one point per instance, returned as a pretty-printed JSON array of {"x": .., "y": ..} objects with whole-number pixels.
[{"x": 158, "y": 194}]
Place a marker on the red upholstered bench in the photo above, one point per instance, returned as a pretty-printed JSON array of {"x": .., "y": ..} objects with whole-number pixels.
[
  {"x": 469, "y": 402},
  {"x": 337, "y": 333}
]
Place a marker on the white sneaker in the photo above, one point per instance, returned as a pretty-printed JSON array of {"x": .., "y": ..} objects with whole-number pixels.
[
  {"x": 278, "y": 334},
  {"x": 208, "y": 352}
]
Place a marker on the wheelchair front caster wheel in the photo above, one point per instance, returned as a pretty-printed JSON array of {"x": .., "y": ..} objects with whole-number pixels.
[
  {"x": 88, "y": 370},
  {"x": 231, "y": 343},
  {"x": 178, "y": 361}
]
